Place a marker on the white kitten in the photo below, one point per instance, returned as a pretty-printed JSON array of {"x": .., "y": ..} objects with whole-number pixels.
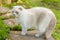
[{"x": 41, "y": 18}]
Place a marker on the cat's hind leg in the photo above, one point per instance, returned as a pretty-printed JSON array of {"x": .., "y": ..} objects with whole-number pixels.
[{"x": 42, "y": 26}]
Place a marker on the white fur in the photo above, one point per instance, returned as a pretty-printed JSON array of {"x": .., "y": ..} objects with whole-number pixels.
[{"x": 38, "y": 17}]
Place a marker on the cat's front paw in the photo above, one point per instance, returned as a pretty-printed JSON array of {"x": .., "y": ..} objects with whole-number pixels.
[
  {"x": 37, "y": 35},
  {"x": 22, "y": 33}
]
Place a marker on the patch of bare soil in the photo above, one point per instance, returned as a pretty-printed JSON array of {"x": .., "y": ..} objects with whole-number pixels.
[{"x": 16, "y": 35}]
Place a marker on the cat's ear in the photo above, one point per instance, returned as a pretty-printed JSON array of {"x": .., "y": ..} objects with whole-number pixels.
[{"x": 21, "y": 9}]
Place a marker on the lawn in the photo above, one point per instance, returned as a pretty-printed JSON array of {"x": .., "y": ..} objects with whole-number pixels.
[{"x": 56, "y": 33}]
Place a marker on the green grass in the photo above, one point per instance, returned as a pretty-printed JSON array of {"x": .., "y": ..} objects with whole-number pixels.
[
  {"x": 56, "y": 33},
  {"x": 4, "y": 30}
]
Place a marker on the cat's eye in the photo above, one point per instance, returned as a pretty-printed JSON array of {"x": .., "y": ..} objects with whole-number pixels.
[
  {"x": 12, "y": 11},
  {"x": 16, "y": 12}
]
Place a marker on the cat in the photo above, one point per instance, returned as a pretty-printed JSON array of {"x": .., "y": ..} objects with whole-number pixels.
[{"x": 41, "y": 18}]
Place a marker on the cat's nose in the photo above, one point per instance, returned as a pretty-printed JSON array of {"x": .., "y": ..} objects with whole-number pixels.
[{"x": 13, "y": 14}]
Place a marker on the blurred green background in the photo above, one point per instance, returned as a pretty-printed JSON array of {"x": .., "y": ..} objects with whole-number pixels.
[{"x": 54, "y": 5}]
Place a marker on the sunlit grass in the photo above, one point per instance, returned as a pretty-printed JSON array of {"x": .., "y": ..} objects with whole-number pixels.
[{"x": 56, "y": 33}]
